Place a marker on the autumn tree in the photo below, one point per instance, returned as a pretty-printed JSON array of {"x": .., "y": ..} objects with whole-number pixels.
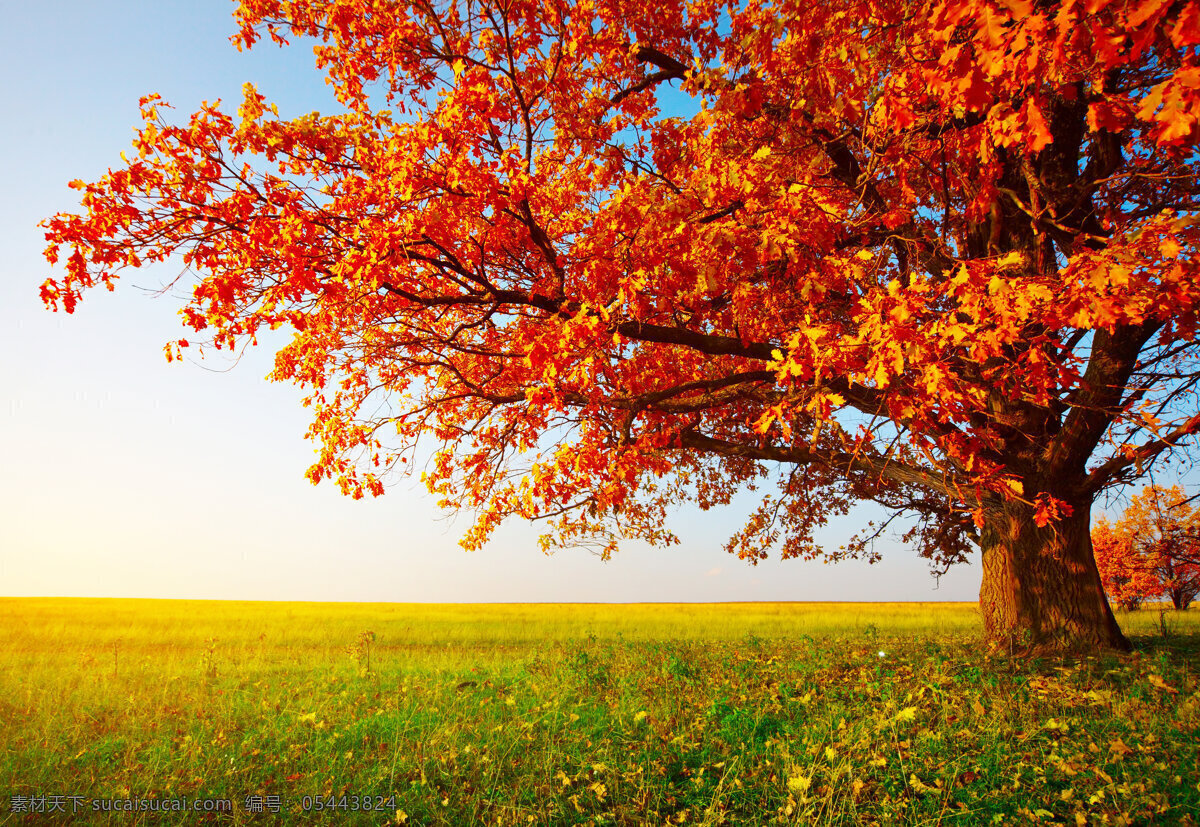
[
  {"x": 1153, "y": 550},
  {"x": 610, "y": 257},
  {"x": 1128, "y": 582}
]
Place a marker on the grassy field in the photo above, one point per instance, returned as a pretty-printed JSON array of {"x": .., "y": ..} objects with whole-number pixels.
[{"x": 597, "y": 714}]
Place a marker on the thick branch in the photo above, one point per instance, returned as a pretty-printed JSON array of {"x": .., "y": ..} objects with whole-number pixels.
[
  {"x": 883, "y": 467},
  {"x": 1113, "y": 360},
  {"x": 1099, "y": 477}
]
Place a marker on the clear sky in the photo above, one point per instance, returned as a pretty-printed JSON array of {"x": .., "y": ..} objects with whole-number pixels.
[{"x": 124, "y": 476}]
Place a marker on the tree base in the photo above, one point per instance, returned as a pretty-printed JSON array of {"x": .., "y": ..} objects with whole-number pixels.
[{"x": 1041, "y": 592}]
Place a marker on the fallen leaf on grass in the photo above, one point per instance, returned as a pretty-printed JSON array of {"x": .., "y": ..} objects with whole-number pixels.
[
  {"x": 799, "y": 783},
  {"x": 1158, "y": 682},
  {"x": 919, "y": 785}
]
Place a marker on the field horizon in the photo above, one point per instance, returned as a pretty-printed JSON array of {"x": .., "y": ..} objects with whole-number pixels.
[{"x": 794, "y": 712}]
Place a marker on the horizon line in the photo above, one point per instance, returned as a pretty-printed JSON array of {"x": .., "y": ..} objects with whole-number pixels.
[{"x": 468, "y": 602}]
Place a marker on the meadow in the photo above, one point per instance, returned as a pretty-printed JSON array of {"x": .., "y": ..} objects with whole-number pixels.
[{"x": 801, "y": 713}]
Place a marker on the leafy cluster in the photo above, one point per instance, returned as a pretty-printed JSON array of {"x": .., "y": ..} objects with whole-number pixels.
[{"x": 1152, "y": 551}]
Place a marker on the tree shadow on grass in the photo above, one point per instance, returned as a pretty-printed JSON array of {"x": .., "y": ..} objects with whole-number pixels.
[{"x": 1183, "y": 646}]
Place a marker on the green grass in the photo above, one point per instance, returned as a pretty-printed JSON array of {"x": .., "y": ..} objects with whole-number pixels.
[{"x": 596, "y": 714}]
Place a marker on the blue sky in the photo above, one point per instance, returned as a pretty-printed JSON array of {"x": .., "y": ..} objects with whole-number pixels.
[{"x": 124, "y": 476}]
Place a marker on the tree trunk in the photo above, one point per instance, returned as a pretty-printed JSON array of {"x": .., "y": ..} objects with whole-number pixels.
[{"x": 1041, "y": 591}]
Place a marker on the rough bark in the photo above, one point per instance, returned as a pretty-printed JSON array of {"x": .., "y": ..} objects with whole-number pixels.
[{"x": 1041, "y": 590}]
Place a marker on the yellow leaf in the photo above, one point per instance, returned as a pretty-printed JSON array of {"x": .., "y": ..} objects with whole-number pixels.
[
  {"x": 762, "y": 152},
  {"x": 1015, "y": 486},
  {"x": 917, "y": 784},
  {"x": 881, "y": 377},
  {"x": 1152, "y": 101},
  {"x": 799, "y": 783},
  {"x": 1155, "y": 680}
]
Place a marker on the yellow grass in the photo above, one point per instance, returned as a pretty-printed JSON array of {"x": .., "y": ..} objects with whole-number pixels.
[{"x": 800, "y": 713}]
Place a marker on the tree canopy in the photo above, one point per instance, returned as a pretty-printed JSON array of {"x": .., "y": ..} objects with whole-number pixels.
[{"x": 611, "y": 257}]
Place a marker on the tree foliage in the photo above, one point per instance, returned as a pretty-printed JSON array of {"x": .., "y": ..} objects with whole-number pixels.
[
  {"x": 1153, "y": 550},
  {"x": 611, "y": 257},
  {"x": 1128, "y": 580}
]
